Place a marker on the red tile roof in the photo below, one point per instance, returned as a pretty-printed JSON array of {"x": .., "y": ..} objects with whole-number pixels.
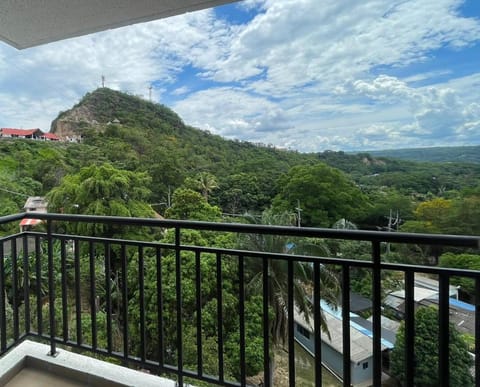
[
  {"x": 19, "y": 132},
  {"x": 29, "y": 222},
  {"x": 50, "y": 136}
]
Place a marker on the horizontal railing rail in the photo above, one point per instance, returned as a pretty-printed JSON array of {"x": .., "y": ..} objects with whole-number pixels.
[{"x": 117, "y": 296}]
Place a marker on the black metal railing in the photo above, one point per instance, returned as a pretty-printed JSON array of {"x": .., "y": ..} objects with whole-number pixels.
[{"x": 101, "y": 294}]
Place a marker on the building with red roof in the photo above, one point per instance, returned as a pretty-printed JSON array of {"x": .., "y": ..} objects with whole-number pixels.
[
  {"x": 21, "y": 133},
  {"x": 34, "y": 134},
  {"x": 49, "y": 137}
]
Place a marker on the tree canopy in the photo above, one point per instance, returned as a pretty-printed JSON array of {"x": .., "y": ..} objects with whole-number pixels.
[
  {"x": 102, "y": 190},
  {"x": 426, "y": 353},
  {"x": 324, "y": 194}
]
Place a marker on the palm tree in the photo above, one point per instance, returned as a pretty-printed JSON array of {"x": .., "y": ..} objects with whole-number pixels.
[
  {"x": 206, "y": 183},
  {"x": 278, "y": 277}
]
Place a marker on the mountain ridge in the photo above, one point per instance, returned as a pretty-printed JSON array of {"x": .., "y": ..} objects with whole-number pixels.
[{"x": 463, "y": 154}]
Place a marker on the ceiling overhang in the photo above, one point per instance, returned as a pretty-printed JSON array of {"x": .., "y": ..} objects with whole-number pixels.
[{"x": 28, "y": 23}]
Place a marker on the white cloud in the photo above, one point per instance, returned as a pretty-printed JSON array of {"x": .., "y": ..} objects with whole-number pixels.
[
  {"x": 181, "y": 90},
  {"x": 437, "y": 112},
  {"x": 297, "y": 42},
  {"x": 236, "y": 114}
]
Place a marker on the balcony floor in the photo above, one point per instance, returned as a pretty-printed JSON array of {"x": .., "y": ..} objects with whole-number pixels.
[
  {"x": 29, "y": 365},
  {"x": 34, "y": 377}
]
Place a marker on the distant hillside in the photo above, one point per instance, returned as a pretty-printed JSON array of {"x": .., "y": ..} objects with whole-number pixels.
[
  {"x": 463, "y": 154},
  {"x": 137, "y": 135}
]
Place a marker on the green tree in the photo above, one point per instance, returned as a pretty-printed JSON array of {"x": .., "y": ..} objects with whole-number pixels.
[
  {"x": 189, "y": 311},
  {"x": 325, "y": 195},
  {"x": 204, "y": 182},
  {"x": 462, "y": 261},
  {"x": 465, "y": 218},
  {"x": 241, "y": 192},
  {"x": 426, "y": 353},
  {"x": 278, "y": 278},
  {"x": 385, "y": 201},
  {"x": 102, "y": 190},
  {"x": 188, "y": 204},
  {"x": 435, "y": 213}
]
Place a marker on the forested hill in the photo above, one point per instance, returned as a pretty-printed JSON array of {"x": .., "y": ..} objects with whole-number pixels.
[
  {"x": 135, "y": 135},
  {"x": 464, "y": 154}
]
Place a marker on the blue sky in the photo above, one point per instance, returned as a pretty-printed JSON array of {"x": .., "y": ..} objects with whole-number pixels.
[{"x": 298, "y": 74}]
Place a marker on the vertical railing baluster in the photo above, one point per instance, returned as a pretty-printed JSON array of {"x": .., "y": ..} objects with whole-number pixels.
[
  {"x": 266, "y": 323},
  {"x": 241, "y": 314},
  {"x": 26, "y": 284},
  {"x": 63, "y": 269},
  {"x": 161, "y": 344},
  {"x": 477, "y": 331},
  {"x": 51, "y": 289},
  {"x": 221, "y": 375},
  {"x": 141, "y": 285},
  {"x": 377, "y": 313},
  {"x": 124, "y": 290},
  {"x": 291, "y": 322},
  {"x": 13, "y": 257},
  {"x": 3, "y": 314},
  {"x": 347, "y": 374},
  {"x": 93, "y": 293},
  {"x": 443, "y": 331},
  {"x": 178, "y": 279},
  {"x": 409, "y": 328},
  {"x": 198, "y": 291},
  {"x": 38, "y": 285},
  {"x": 108, "y": 294},
  {"x": 317, "y": 326},
  {"x": 78, "y": 301}
]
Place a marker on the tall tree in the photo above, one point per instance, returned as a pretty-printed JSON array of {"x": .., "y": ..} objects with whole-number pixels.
[
  {"x": 325, "y": 195},
  {"x": 278, "y": 278},
  {"x": 188, "y": 204},
  {"x": 102, "y": 190},
  {"x": 426, "y": 353}
]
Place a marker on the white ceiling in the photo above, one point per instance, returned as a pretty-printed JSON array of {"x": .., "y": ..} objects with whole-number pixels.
[{"x": 27, "y": 23}]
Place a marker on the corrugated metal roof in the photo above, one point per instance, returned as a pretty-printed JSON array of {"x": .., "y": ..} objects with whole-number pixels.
[{"x": 361, "y": 343}]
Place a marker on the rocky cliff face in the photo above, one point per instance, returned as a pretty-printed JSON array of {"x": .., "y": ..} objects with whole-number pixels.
[{"x": 73, "y": 122}]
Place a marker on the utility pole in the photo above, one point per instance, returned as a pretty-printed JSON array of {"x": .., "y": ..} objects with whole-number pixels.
[
  {"x": 150, "y": 93},
  {"x": 299, "y": 214},
  {"x": 103, "y": 80},
  {"x": 391, "y": 224}
]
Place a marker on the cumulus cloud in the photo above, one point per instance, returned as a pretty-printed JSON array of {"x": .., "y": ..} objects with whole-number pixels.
[
  {"x": 181, "y": 90},
  {"x": 296, "y": 42},
  {"x": 236, "y": 114},
  {"x": 436, "y": 112}
]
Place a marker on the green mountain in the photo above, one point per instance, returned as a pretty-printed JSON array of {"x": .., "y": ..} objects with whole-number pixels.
[
  {"x": 135, "y": 134},
  {"x": 464, "y": 154},
  {"x": 108, "y": 126}
]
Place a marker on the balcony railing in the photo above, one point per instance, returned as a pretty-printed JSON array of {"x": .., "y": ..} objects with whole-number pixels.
[{"x": 43, "y": 273}]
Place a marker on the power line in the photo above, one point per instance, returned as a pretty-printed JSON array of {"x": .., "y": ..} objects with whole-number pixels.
[{"x": 13, "y": 192}]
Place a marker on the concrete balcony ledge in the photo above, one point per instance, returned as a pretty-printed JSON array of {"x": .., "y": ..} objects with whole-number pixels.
[{"x": 29, "y": 364}]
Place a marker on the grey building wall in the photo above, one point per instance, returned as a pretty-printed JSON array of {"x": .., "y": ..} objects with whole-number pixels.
[{"x": 331, "y": 358}]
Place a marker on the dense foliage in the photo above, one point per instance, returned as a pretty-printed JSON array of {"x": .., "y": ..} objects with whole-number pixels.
[{"x": 426, "y": 353}]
